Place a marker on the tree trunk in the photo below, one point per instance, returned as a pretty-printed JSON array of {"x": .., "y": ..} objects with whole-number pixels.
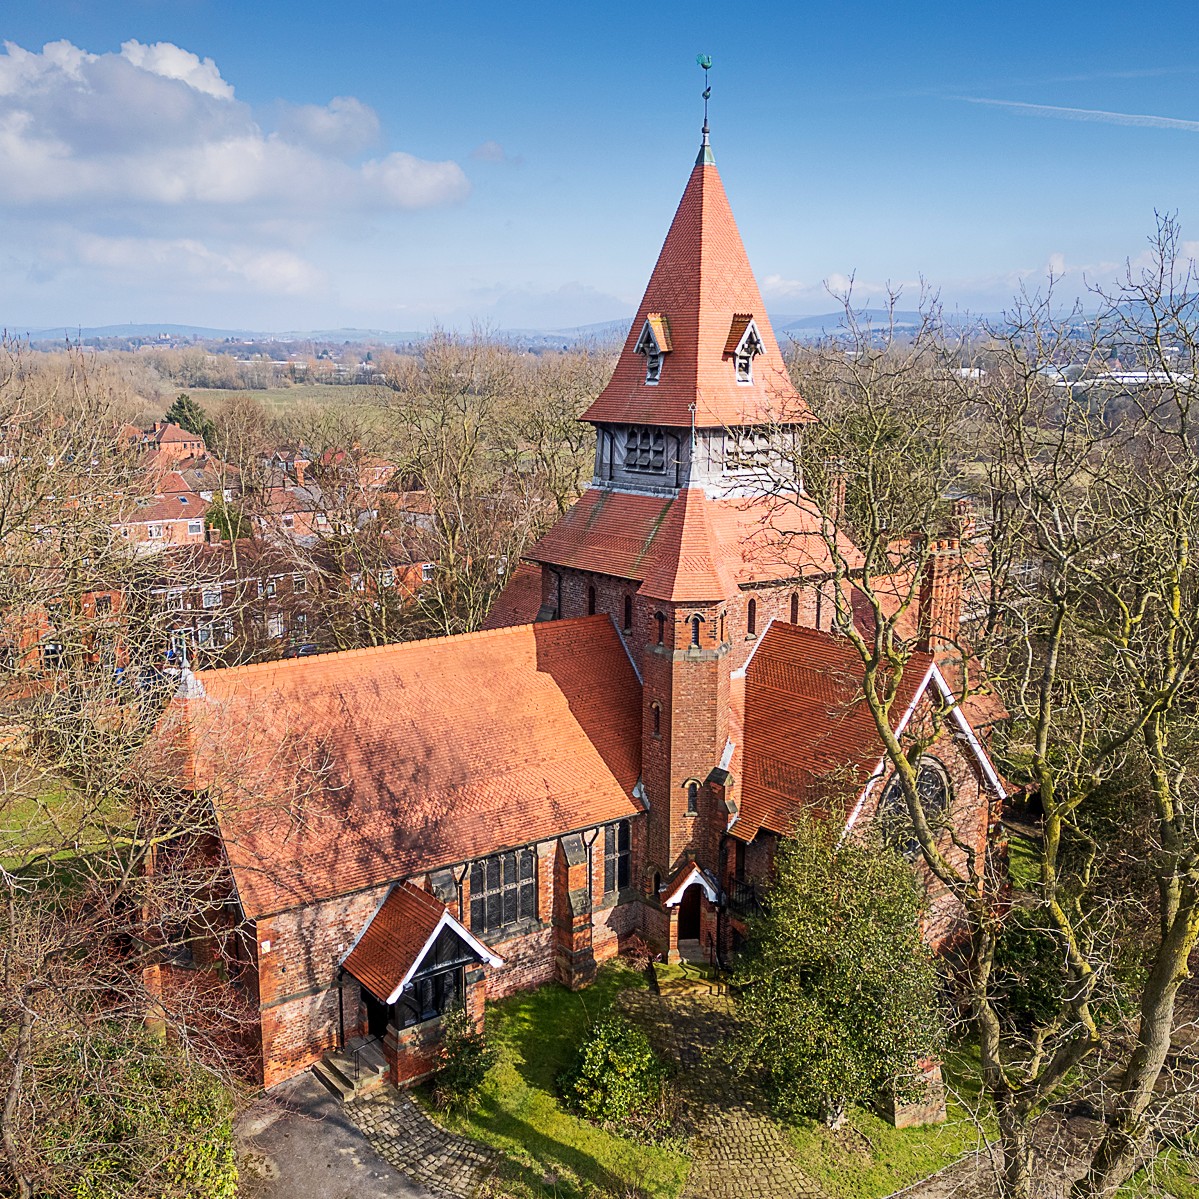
[
  {"x": 8, "y": 1121},
  {"x": 1119, "y": 1153},
  {"x": 1016, "y": 1145}
]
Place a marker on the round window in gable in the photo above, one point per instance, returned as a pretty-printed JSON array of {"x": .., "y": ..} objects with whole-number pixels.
[{"x": 935, "y": 793}]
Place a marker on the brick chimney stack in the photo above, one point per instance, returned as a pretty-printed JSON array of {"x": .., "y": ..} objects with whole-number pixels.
[{"x": 940, "y": 612}]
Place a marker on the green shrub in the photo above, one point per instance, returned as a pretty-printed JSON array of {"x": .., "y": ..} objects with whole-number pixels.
[
  {"x": 1029, "y": 978},
  {"x": 123, "y": 1115},
  {"x": 465, "y": 1059},
  {"x": 617, "y": 1080}
]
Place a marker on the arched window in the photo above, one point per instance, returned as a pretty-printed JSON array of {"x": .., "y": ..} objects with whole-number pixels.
[
  {"x": 935, "y": 793},
  {"x": 692, "y": 798},
  {"x": 590, "y": 601},
  {"x": 751, "y": 617},
  {"x": 656, "y": 713},
  {"x": 695, "y": 620},
  {"x": 661, "y": 619},
  {"x": 819, "y": 604},
  {"x": 657, "y": 885},
  {"x": 628, "y": 613},
  {"x": 795, "y": 607}
]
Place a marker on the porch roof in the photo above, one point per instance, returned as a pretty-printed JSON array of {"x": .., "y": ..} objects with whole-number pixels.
[{"x": 395, "y": 940}]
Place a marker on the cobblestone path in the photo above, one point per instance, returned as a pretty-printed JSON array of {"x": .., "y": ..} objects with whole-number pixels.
[
  {"x": 450, "y": 1166},
  {"x": 738, "y": 1150}
]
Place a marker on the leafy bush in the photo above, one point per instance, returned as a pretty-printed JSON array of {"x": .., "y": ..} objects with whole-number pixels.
[
  {"x": 617, "y": 1079},
  {"x": 465, "y": 1059},
  {"x": 125, "y": 1115},
  {"x": 835, "y": 989},
  {"x": 1029, "y": 979}
]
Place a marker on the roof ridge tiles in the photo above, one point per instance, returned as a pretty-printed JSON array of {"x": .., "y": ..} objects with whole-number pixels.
[{"x": 394, "y": 646}]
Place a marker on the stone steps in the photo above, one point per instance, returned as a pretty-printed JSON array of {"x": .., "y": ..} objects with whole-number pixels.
[{"x": 349, "y": 1074}]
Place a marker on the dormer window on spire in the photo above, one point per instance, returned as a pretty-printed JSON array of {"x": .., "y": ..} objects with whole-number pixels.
[
  {"x": 653, "y": 343},
  {"x": 744, "y": 344}
]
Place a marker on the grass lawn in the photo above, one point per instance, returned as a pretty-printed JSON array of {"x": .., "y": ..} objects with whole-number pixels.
[
  {"x": 298, "y": 395},
  {"x": 1168, "y": 1175},
  {"x": 868, "y": 1158},
  {"x": 552, "y": 1152},
  {"x": 1024, "y": 862}
]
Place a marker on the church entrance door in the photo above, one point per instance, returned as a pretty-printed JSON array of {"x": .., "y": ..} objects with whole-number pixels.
[
  {"x": 378, "y": 1014},
  {"x": 689, "y": 913}
]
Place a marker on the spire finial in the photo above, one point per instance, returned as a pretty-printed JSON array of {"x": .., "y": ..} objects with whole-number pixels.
[{"x": 705, "y": 149}]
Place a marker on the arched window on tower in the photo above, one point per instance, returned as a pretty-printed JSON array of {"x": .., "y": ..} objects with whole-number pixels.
[
  {"x": 628, "y": 613},
  {"x": 795, "y": 607},
  {"x": 590, "y": 601},
  {"x": 692, "y": 797},
  {"x": 819, "y": 605},
  {"x": 722, "y": 628},
  {"x": 660, "y": 617},
  {"x": 751, "y": 617},
  {"x": 695, "y": 622},
  {"x": 656, "y": 717}
]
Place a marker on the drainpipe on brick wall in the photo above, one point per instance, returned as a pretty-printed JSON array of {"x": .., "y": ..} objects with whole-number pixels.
[
  {"x": 461, "y": 880},
  {"x": 590, "y": 867},
  {"x": 341, "y": 1007}
]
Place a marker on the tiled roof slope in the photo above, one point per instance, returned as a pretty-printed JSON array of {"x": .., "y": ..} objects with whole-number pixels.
[
  {"x": 809, "y": 737},
  {"x": 688, "y": 565},
  {"x": 756, "y": 539},
  {"x": 388, "y": 948},
  {"x": 519, "y": 602},
  {"x": 701, "y": 282},
  {"x": 343, "y": 771}
]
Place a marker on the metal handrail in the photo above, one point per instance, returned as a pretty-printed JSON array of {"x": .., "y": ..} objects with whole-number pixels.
[{"x": 357, "y": 1053}]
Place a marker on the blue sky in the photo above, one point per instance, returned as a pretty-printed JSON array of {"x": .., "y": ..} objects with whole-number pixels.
[{"x": 293, "y": 166}]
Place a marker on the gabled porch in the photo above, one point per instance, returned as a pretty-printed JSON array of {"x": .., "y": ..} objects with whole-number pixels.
[{"x": 414, "y": 962}]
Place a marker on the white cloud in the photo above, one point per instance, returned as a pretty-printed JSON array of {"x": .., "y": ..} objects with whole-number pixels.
[
  {"x": 156, "y": 125},
  {"x": 190, "y": 263},
  {"x": 345, "y": 126},
  {"x": 172, "y": 62},
  {"x": 1102, "y": 116}
]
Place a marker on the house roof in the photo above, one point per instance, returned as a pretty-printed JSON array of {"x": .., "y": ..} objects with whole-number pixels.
[
  {"x": 165, "y": 432},
  {"x": 399, "y": 935},
  {"x": 636, "y": 537},
  {"x": 339, "y": 772},
  {"x": 702, "y": 279},
  {"x": 178, "y": 505},
  {"x": 809, "y": 737}
]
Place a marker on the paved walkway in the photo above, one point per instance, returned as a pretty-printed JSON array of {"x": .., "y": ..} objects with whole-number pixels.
[
  {"x": 296, "y": 1143},
  {"x": 450, "y": 1166},
  {"x": 738, "y": 1149}
]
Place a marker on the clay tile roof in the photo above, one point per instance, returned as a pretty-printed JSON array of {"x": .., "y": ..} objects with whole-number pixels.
[
  {"x": 173, "y": 433},
  {"x": 519, "y": 602},
  {"x": 737, "y": 329},
  {"x": 355, "y": 769},
  {"x": 809, "y": 738},
  {"x": 753, "y": 539},
  {"x": 688, "y": 566},
  {"x": 397, "y": 938},
  {"x": 701, "y": 280}
]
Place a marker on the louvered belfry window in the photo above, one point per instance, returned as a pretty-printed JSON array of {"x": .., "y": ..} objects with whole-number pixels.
[
  {"x": 645, "y": 449},
  {"x": 503, "y": 890}
]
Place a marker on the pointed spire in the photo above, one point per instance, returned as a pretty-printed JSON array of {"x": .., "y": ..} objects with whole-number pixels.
[{"x": 701, "y": 284}]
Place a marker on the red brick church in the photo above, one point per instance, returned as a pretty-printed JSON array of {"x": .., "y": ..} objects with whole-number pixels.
[{"x": 416, "y": 826}]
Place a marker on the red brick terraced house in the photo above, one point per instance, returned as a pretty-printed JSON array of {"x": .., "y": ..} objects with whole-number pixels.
[{"x": 434, "y": 823}]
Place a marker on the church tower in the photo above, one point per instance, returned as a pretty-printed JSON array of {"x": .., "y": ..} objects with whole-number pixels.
[{"x": 673, "y": 537}]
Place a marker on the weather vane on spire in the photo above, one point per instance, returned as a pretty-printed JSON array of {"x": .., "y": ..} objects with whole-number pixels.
[{"x": 705, "y": 61}]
